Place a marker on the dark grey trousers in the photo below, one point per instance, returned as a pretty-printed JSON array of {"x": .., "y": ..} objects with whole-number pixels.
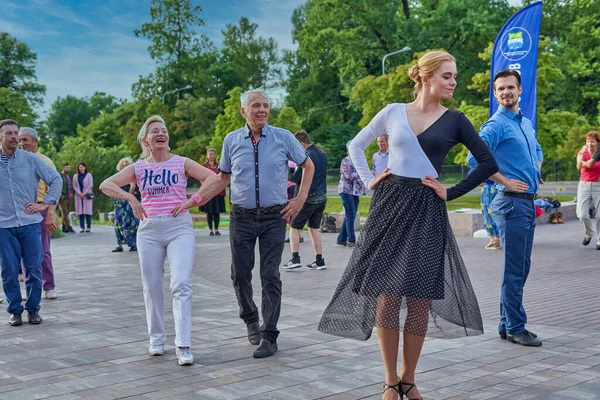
[{"x": 245, "y": 227}]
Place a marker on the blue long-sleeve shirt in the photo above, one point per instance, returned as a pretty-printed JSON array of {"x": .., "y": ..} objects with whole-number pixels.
[
  {"x": 511, "y": 138},
  {"x": 19, "y": 180}
]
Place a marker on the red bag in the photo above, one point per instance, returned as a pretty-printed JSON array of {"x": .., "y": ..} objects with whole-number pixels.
[{"x": 538, "y": 211}]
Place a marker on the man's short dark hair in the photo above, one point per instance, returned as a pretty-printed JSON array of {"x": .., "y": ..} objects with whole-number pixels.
[
  {"x": 5, "y": 122},
  {"x": 302, "y": 137},
  {"x": 66, "y": 164},
  {"x": 505, "y": 73}
]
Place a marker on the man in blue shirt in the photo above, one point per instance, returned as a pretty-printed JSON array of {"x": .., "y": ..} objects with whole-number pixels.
[
  {"x": 380, "y": 159},
  {"x": 255, "y": 160},
  {"x": 20, "y": 233},
  {"x": 512, "y": 139}
]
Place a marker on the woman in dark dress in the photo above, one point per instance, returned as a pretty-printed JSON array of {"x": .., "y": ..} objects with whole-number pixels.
[
  {"x": 216, "y": 205},
  {"x": 407, "y": 256}
]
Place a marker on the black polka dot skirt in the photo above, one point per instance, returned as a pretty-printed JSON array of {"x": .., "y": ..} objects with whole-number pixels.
[{"x": 406, "y": 272}]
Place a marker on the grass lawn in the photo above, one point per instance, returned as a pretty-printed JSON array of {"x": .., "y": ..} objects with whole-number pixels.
[{"x": 334, "y": 204}]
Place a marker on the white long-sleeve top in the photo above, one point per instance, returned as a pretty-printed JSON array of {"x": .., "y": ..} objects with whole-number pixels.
[{"x": 418, "y": 156}]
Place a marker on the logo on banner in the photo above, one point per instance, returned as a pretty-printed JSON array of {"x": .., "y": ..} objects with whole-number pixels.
[{"x": 516, "y": 44}]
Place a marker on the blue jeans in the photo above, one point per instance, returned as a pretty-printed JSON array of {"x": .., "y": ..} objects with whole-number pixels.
[
  {"x": 350, "y": 204},
  {"x": 88, "y": 219},
  {"x": 516, "y": 222},
  {"x": 24, "y": 242}
]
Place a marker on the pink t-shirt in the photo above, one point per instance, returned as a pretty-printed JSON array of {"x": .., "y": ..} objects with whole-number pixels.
[
  {"x": 162, "y": 185},
  {"x": 590, "y": 174}
]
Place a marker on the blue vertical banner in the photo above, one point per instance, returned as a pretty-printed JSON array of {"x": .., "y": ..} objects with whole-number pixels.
[{"x": 516, "y": 47}]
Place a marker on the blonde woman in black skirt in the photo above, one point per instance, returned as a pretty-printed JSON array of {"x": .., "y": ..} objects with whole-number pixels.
[{"x": 407, "y": 256}]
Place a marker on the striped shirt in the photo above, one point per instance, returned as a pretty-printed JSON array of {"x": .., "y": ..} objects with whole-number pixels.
[
  {"x": 5, "y": 159},
  {"x": 162, "y": 185}
]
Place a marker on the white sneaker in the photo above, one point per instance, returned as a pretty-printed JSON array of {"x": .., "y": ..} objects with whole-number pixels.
[
  {"x": 156, "y": 350},
  {"x": 50, "y": 295},
  {"x": 185, "y": 356}
]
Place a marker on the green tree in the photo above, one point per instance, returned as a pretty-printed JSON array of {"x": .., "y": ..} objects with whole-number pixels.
[
  {"x": 13, "y": 105},
  {"x": 288, "y": 119},
  {"x": 229, "y": 120},
  {"x": 248, "y": 60},
  {"x": 65, "y": 115},
  {"x": 105, "y": 128},
  {"x": 17, "y": 70},
  {"x": 176, "y": 46},
  {"x": 101, "y": 163},
  {"x": 194, "y": 125}
]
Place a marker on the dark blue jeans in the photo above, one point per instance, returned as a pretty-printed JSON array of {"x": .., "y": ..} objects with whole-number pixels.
[
  {"x": 516, "y": 222},
  {"x": 88, "y": 220},
  {"x": 244, "y": 230},
  {"x": 350, "y": 204},
  {"x": 21, "y": 243}
]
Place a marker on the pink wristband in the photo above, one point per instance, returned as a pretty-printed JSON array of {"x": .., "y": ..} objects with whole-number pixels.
[{"x": 197, "y": 198}]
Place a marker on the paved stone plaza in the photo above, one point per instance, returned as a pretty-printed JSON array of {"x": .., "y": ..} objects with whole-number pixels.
[{"x": 93, "y": 343}]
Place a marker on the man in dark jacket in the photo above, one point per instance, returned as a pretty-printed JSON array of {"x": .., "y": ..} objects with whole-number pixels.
[{"x": 312, "y": 212}]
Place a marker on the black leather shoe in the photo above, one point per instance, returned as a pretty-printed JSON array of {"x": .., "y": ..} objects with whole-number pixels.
[
  {"x": 586, "y": 241},
  {"x": 34, "y": 317},
  {"x": 524, "y": 339},
  {"x": 266, "y": 348},
  {"x": 532, "y": 334},
  {"x": 253, "y": 333},
  {"x": 15, "y": 319},
  {"x": 117, "y": 250}
]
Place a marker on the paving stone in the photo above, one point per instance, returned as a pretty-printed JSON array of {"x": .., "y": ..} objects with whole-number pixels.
[{"x": 93, "y": 342}]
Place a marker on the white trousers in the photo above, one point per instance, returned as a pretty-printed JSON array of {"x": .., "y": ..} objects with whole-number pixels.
[
  {"x": 158, "y": 237},
  {"x": 588, "y": 194}
]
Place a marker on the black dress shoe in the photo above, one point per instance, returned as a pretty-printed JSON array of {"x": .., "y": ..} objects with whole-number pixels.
[
  {"x": 532, "y": 334},
  {"x": 34, "y": 317},
  {"x": 524, "y": 339},
  {"x": 15, "y": 319},
  {"x": 587, "y": 241},
  {"x": 253, "y": 333},
  {"x": 266, "y": 348},
  {"x": 117, "y": 250},
  {"x": 133, "y": 248}
]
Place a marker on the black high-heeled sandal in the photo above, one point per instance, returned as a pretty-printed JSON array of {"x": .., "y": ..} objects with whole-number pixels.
[
  {"x": 411, "y": 386},
  {"x": 396, "y": 387}
]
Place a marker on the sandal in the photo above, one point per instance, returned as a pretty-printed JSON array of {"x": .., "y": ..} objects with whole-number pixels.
[
  {"x": 395, "y": 387},
  {"x": 411, "y": 386}
]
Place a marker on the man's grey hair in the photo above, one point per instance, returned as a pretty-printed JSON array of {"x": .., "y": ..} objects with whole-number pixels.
[
  {"x": 31, "y": 132},
  {"x": 246, "y": 95},
  {"x": 386, "y": 137}
]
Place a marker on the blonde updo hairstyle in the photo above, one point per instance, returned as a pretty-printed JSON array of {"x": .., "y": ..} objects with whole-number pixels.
[
  {"x": 426, "y": 66},
  {"x": 124, "y": 162},
  {"x": 144, "y": 132}
]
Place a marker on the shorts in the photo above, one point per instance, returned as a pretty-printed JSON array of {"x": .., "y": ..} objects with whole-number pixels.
[{"x": 311, "y": 213}]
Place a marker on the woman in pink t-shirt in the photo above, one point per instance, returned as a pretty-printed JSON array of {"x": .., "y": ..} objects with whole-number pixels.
[
  {"x": 588, "y": 190},
  {"x": 165, "y": 230}
]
